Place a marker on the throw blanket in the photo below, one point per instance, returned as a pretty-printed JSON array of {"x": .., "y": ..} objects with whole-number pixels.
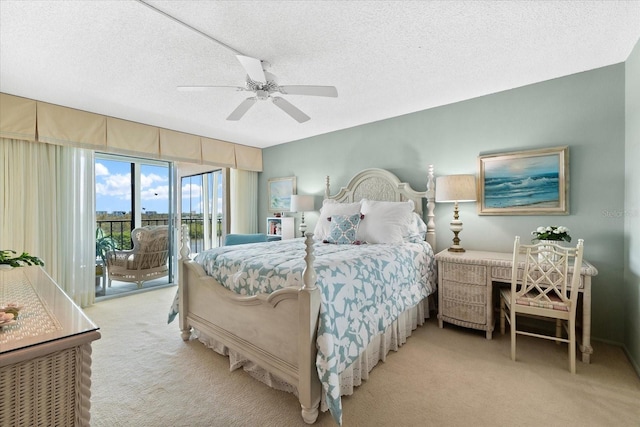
[{"x": 364, "y": 288}]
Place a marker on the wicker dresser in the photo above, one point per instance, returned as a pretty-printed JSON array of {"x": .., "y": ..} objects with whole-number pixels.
[
  {"x": 465, "y": 294},
  {"x": 45, "y": 356}
]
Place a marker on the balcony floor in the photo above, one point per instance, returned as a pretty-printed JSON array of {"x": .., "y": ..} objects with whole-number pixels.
[{"x": 121, "y": 289}]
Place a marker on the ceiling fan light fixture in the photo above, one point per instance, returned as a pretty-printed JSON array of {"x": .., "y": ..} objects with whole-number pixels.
[{"x": 264, "y": 85}]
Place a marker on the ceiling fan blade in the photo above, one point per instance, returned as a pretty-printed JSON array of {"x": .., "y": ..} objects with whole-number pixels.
[
  {"x": 253, "y": 67},
  {"x": 290, "y": 109},
  {"x": 242, "y": 108},
  {"x": 206, "y": 87},
  {"x": 310, "y": 90}
]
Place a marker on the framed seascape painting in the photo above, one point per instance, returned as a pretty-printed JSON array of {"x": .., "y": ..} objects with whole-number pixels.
[
  {"x": 279, "y": 191},
  {"x": 534, "y": 182}
]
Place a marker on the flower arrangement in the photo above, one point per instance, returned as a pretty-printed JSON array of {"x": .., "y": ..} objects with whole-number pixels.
[{"x": 554, "y": 232}]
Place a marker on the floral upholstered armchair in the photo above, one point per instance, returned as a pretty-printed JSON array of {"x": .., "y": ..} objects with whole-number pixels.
[{"x": 147, "y": 260}]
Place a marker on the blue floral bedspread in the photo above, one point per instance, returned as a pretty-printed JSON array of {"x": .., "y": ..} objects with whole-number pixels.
[{"x": 364, "y": 288}]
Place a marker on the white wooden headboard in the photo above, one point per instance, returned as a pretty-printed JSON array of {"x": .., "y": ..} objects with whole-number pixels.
[{"x": 382, "y": 185}]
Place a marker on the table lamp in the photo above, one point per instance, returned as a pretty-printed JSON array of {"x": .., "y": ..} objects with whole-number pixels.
[
  {"x": 302, "y": 203},
  {"x": 456, "y": 188}
]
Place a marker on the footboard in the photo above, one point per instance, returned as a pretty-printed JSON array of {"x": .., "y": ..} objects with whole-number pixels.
[{"x": 276, "y": 331}]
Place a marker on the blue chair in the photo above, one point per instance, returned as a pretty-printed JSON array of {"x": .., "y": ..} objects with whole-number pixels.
[{"x": 241, "y": 239}]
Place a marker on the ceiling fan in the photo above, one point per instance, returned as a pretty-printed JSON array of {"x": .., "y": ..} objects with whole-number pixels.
[{"x": 265, "y": 87}]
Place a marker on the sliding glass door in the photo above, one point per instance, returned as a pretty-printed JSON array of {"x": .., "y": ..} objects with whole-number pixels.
[
  {"x": 203, "y": 209},
  {"x": 133, "y": 192}
]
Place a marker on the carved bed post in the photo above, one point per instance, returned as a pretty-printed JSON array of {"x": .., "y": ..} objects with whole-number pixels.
[
  {"x": 430, "y": 195},
  {"x": 309, "y": 387},
  {"x": 185, "y": 248},
  {"x": 327, "y": 192},
  {"x": 185, "y": 251}
]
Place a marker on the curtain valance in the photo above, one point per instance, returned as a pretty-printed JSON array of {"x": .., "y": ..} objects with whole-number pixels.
[
  {"x": 66, "y": 126},
  {"x": 27, "y": 119},
  {"x": 180, "y": 146},
  {"x": 219, "y": 153},
  {"x": 133, "y": 138},
  {"x": 248, "y": 158},
  {"x": 17, "y": 118}
]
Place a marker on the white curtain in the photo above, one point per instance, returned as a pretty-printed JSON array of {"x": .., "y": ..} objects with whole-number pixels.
[
  {"x": 244, "y": 201},
  {"x": 27, "y": 194},
  {"x": 77, "y": 224},
  {"x": 47, "y": 208}
]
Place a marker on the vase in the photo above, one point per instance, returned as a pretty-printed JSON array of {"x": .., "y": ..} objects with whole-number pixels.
[{"x": 546, "y": 251}]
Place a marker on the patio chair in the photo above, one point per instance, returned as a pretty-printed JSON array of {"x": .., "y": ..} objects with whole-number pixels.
[{"x": 147, "y": 260}]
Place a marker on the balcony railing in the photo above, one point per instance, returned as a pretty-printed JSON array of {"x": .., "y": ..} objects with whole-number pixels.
[{"x": 120, "y": 230}]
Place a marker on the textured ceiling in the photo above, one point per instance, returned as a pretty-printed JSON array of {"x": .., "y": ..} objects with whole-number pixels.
[{"x": 122, "y": 59}]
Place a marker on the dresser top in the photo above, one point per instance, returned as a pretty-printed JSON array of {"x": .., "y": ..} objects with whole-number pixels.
[{"x": 46, "y": 313}]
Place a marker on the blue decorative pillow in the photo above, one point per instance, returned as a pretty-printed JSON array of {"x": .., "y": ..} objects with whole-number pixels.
[{"x": 343, "y": 229}]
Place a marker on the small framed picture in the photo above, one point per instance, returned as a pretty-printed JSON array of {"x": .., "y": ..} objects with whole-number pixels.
[
  {"x": 534, "y": 182},
  {"x": 279, "y": 192}
]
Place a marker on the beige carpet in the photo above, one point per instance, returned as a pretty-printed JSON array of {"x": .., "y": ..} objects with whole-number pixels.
[{"x": 145, "y": 375}]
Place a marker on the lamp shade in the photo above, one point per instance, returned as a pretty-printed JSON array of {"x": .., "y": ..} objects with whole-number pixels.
[
  {"x": 301, "y": 203},
  {"x": 456, "y": 188}
]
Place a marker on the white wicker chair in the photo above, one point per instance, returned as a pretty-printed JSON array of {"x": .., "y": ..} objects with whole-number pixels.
[
  {"x": 147, "y": 260},
  {"x": 543, "y": 292}
]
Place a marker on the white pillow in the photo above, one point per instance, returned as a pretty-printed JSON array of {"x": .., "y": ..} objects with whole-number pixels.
[
  {"x": 331, "y": 207},
  {"x": 385, "y": 222},
  {"x": 417, "y": 229}
]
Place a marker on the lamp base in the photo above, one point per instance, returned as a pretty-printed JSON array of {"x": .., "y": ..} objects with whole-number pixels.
[{"x": 456, "y": 227}]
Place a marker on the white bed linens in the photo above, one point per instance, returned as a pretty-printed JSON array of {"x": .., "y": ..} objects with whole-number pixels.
[{"x": 364, "y": 289}]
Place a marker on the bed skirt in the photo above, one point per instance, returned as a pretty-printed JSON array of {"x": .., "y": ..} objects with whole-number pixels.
[{"x": 391, "y": 339}]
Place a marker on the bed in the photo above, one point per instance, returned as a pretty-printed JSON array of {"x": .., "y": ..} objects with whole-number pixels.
[{"x": 286, "y": 310}]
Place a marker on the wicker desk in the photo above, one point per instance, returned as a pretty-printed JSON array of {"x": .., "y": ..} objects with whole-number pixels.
[
  {"x": 45, "y": 357},
  {"x": 465, "y": 295}
]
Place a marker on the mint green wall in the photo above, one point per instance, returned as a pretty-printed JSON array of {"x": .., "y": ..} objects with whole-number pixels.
[
  {"x": 632, "y": 208},
  {"x": 585, "y": 111}
]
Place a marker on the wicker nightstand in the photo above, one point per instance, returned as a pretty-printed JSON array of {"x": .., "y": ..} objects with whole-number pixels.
[{"x": 464, "y": 291}]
